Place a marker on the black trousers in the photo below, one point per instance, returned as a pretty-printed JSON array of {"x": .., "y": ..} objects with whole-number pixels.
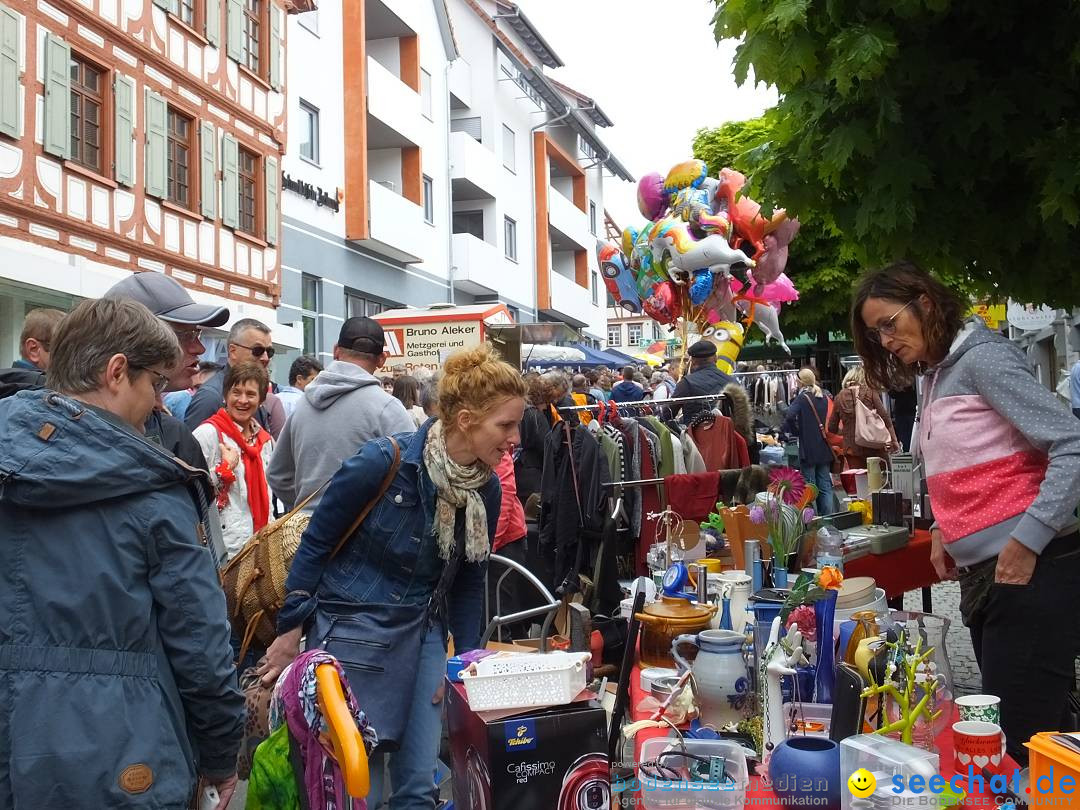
[{"x": 1026, "y": 638}]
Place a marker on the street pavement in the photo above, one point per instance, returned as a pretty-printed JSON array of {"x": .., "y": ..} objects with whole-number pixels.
[{"x": 945, "y": 599}]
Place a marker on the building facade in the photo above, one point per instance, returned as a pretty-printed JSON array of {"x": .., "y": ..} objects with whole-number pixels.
[
  {"x": 438, "y": 164},
  {"x": 141, "y": 137}
]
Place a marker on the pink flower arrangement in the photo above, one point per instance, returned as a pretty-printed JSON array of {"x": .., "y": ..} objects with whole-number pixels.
[
  {"x": 788, "y": 484},
  {"x": 804, "y": 618}
]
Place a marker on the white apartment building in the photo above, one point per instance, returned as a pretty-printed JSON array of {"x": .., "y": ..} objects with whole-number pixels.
[
  {"x": 140, "y": 137},
  {"x": 431, "y": 160}
]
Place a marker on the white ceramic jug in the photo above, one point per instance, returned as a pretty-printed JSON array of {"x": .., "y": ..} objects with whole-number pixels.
[{"x": 721, "y": 682}]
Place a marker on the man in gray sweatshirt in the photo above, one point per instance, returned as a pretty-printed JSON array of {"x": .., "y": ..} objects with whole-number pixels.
[{"x": 342, "y": 408}]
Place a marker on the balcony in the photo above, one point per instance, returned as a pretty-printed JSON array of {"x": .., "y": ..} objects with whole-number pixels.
[
  {"x": 394, "y": 118},
  {"x": 392, "y": 18},
  {"x": 569, "y": 220},
  {"x": 474, "y": 169},
  {"x": 480, "y": 268},
  {"x": 394, "y": 225},
  {"x": 571, "y": 303},
  {"x": 460, "y": 79}
]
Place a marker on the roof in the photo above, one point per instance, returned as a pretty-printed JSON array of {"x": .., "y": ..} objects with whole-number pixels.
[
  {"x": 588, "y": 105},
  {"x": 446, "y": 30},
  {"x": 524, "y": 28}
]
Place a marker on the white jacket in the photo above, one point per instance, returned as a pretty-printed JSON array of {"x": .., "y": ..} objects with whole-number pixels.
[{"x": 236, "y": 522}]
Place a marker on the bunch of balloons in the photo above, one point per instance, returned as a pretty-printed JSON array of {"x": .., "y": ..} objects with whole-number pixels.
[{"x": 707, "y": 257}]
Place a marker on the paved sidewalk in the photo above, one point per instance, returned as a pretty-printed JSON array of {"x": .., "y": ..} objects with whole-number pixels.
[{"x": 946, "y": 602}]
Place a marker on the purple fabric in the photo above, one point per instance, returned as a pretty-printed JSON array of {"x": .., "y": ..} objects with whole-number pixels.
[{"x": 323, "y": 782}]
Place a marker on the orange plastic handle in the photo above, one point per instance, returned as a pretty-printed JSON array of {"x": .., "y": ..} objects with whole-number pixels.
[{"x": 345, "y": 737}]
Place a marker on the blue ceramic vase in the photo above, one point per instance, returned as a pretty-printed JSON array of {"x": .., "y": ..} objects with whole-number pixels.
[
  {"x": 824, "y": 611},
  {"x": 806, "y": 770}
]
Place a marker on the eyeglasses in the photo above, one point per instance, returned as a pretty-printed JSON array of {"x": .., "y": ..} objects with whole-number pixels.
[
  {"x": 258, "y": 351},
  {"x": 189, "y": 336},
  {"x": 888, "y": 329},
  {"x": 161, "y": 383}
]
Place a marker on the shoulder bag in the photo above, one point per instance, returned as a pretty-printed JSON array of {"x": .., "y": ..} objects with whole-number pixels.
[
  {"x": 870, "y": 429},
  {"x": 837, "y": 454},
  {"x": 378, "y": 645}
]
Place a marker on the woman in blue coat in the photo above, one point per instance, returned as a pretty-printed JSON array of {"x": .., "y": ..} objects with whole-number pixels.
[
  {"x": 117, "y": 687},
  {"x": 444, "y": 494},
  {"x": 805, "y": 417}
]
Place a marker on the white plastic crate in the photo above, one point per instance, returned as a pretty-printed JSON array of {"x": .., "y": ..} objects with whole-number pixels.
[{"x": 522, "y": 681}]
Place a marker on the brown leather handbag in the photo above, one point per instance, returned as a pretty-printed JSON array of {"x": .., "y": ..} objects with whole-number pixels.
[{"x": 254, "y": 580}]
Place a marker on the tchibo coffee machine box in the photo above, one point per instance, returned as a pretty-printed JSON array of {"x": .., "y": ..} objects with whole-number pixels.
[{"x": 528, "y": 759}]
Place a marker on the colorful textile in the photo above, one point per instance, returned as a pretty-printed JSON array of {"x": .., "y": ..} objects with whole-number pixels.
[
  {"x": 458, "y": 486},
  {"x": 254, "y": 473},
  {"x": 272, "y": 785}
]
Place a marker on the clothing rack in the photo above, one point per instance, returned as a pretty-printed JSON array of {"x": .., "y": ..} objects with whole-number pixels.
[
  {"x": 643, "y": 403},
  {"x": 763, "y": 373},
  {"x": 642, "y": 483}
]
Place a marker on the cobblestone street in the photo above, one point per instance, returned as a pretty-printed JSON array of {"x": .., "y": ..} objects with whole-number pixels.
[{"x": 945, "y": 597}]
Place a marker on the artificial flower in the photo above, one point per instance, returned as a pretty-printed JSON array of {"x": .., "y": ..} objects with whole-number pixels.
[
  {"x": 804, "y": 618},
  {"x": 757, "y": 515},
  {"x": 807, "y": 514},
  {"x": 787, "y": 483},
  {"x": 808, "y": 497},
  {"x": 830, "y": 578}
]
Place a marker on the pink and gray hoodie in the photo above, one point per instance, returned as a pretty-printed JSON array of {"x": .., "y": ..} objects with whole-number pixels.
[{"x": 1002, "y": 454}]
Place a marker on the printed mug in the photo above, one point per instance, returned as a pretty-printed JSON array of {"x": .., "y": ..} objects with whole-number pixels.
[
  {"x": 979, "y": 744},
  {"x": 986, "y": 708}
]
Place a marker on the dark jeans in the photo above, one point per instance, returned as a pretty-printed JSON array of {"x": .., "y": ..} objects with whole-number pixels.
[
  {"x": 1076, "y": 412},
  {"x": 1026, "y": 638}
]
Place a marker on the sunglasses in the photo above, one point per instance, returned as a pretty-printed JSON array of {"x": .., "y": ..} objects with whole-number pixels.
[
  {"x": 258, "y": 351},
  {"x": 888, "y": 329}
]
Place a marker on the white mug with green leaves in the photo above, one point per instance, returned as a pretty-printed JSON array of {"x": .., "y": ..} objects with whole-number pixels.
[{"x": 983, "y": 708}]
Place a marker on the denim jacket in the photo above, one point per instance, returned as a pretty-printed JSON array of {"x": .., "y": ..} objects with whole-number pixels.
[{"x": 393, "y": 557}]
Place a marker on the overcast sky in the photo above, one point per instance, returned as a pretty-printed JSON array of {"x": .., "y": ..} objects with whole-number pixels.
[{"x": 654, "y": 68}]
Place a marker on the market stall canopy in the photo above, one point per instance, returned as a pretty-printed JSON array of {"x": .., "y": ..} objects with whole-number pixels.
[{"x": 577, "y": 354}]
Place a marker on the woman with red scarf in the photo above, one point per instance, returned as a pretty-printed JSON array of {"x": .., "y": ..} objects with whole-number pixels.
[{"x": 237, "y": 450}]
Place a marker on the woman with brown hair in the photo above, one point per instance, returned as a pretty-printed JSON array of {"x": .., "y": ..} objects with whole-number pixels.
[
  {"x": 407, "y": 391},
  {"x": 1002, "y": 461},
  {"x": 842, "y": 419}
]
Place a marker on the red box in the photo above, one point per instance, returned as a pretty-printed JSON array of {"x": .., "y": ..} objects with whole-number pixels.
[{"x": 528, "y": 759}]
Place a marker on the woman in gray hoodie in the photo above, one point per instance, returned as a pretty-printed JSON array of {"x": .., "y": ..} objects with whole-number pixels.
[{"x": 1002, "y": 461}]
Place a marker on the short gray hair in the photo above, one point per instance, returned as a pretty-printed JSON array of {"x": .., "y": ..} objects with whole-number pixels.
[
  {"x": 243, "y": 325},
  {"x": 96, "y": 330}
]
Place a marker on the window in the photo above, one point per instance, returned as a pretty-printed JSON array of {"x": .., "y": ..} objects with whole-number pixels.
[
  {"x": 429, "y": 200},
  {"x": 249, "y": 185},
  {"x": 87, "y": 114},
  {"x": 509, "y": 149},
  {"x": 309, "y": 311},
  {"x": 309, "y": 132},
  {"x": 614, "y": 335},
  {"x": 425, "y": 94},
  {"x": 180, "y": 132},
  {"x": 469, "y": 222},
  {"x": 595, "y": 289},
  {"x": 592, "y": 217},
  {"x": 510, "y": 238},
  {"x": 310, "y": 21},
  {"x": 358, "y": 306},
  {"x": 633, "y": 334},
  {"x": 470, "y": 126},
  {"x": 252, "y": 34}
]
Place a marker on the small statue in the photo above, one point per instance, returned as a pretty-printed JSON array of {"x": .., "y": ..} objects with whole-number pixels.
[{"x": 781, "y": 657}]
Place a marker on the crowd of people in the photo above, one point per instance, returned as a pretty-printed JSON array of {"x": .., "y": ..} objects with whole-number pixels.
[{"x": 131, "y": 470}]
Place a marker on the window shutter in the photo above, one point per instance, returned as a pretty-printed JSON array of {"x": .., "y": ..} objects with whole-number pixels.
[
  {"x": 208, "y": 170},
  {"x": 472, "y": 127},
  {"x": 124, "y": 163},
  {"x": 273, "y": 214},
  {"x": 230, "y": 182},
  {"x": 9, "y": 73},
  {"x": 57, "y": 124},
  {"x": 275, "y": 47},
  {"x": 213, "y": 22},
  {"x": 156, "y": 117},
  {"x": 234, "y": 29}
]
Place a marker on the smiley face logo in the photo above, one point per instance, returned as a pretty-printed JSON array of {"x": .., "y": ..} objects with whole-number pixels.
[{"x": 862, "y": 783}]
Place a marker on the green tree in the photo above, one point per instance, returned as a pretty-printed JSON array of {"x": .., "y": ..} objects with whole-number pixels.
[
  {"x": 820, "y": 264},
  {"x": 945, "y": 131}
]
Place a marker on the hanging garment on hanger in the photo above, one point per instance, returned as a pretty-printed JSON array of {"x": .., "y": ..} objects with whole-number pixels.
[
  {"x": 694, "y": 462},
  {"x": 667, "y": 449},
  {"x": 720, "y": 444},
  {"x": 693, "y": 497}
]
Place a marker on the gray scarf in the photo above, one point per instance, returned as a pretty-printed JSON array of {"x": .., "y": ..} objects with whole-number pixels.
[{"x": 458, "y": 486}]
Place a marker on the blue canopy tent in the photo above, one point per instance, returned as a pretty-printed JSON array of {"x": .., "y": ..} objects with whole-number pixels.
[
  {"x": 622, "y": 359},
  {"x": 593, "y": 357}
]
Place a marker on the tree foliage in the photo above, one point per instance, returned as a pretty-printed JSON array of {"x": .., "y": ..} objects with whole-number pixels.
[
  {"x": 944, "y": 131},
  {"x": 819, "y": 263}
]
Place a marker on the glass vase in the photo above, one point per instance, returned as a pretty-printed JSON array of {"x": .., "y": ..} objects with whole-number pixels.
[
  {"x": 929, "y": 632},
  {"x": 824, "y": 612}
]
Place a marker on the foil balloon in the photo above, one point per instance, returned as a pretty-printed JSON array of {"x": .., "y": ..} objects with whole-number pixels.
[
  {"x": 706, "y": 256},
  {"x": 617, "y": 277}
]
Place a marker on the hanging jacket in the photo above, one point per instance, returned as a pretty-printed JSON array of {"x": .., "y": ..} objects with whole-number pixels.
[
  {"x": 116, "y": 674},
  {"x": 720, "y": 445}
]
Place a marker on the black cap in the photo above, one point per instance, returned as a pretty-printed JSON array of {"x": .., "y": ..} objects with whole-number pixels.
[
  {"x": 702, "y": 349},
  {"x": 164, "y": 296},
  {"x": 362, "y": 335}
]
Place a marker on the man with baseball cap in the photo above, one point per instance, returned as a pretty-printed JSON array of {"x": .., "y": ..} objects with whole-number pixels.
[
  {"x": 166, "y": 298},
  {"x": 702, "y": 379},
  {"x": 341, "y": 409}
]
